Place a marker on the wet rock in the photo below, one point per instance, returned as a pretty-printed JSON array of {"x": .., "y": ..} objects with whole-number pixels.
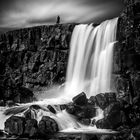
[
  {"x": 29, "y": 114},
  {"x": 47, "y": 126},
  {"x": 90, "y": 111},
  {"x": 51, "y": 109},
  {"x": 104, "y": 99},
  {"x": 32, "y": 111},
  {"x": 71, "y": 109},
  {"x": 113, "y": 117},
  {"x": 85, "y": 121},
  {"x": 92, "y": 100},
  {"x": 63, "y": 107},
  {"x": 101, "y": 100},
  {"x": 114, "y": 107},
  {"x": 111, "y": 97},
  {"x": 15, "y": 125},
  {"x": 102, "y": 124},
  {"x": 80, "y": 99},
  {"x": 31, "y": 128},
  {"x": 87, "y": 111}
]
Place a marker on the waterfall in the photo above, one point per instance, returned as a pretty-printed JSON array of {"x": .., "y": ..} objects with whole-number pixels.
[
  {"x": 89, "y": 70},
  {"x": 90, "y": 60}
]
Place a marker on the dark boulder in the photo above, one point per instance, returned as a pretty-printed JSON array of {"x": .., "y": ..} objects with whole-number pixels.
[
  {"x": 113, "y": 117},
  {"x": 101, "y": 100},
  {"x": 32, "y": 111},
  {"x": 111, "y": 97},
  {"x": 80, "y": 99},
  {"x": 104, "y": 99},
  {"x": 87, "y": 111},
  {"x": 31, "y": 128},
  {"x": 85, "y": 121},
  {"x": 29, "y": 114},
  {"x": 47, "y": 126},
  {"x": 51, "y": 109},
  {"x": 112, "y": 108},
  {"x": 15, "y": 125},
  {"x": 63, "y": 107},
  {"x": 103, "y": 124},
  {"x": 72, "y": 109},
  {"x": 92, "y": 100}
]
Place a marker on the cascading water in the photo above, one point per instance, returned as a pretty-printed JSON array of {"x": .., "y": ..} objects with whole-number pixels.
[
  {"x": 90, "y": 60},
  {"x": 89, "y": 70}
]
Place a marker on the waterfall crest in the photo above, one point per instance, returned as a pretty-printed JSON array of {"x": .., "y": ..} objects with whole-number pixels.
[{"x": 90, "y": 60}]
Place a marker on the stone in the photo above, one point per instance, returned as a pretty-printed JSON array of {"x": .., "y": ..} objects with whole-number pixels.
[
  {"x": 111, "y": 97},
  {"x": 92, "y": 100},
  {"x": 85, "y": 121},
  {"x": 113, "y": 117},
  {"x": 63, "y": 107},
  {"x": 47, "y": 126},
  {"x": 87, "y": 111},
  {"x": 71, "y": 109},
  {"x": 101, "y": 100},
  {"x": 80, "y": 99},
  {"x": 29, "y": 114},
  {"x": 51, "y": 109},
  {"x": 31, "y": 128},
  {"x": 15, "y": 125}
]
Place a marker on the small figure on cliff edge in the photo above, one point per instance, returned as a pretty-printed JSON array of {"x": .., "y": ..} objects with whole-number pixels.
[{"x": 58, "y": 20}]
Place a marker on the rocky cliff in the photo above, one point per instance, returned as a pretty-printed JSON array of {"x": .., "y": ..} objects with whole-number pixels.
[
  {"x": 33, "y": 58},
  {"x": 37, "y": 57},
  {"x": 127, "y": 50}
]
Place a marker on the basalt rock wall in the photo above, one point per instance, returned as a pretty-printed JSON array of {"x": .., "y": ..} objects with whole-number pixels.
[
  {"x": 127, "y": 50},
  {"x": 33, "y": 58}
]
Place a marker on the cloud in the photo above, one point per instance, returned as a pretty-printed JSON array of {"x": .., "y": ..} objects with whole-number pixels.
[{"x": 24, "y": 13}]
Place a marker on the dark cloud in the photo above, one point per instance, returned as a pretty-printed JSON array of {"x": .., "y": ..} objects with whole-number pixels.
[{"x": 24, "y": 13}]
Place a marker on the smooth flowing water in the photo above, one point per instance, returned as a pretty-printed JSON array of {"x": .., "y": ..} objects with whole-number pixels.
[
  {"x": 89, "y": 70},
  {"x": 90, "y": 61}
]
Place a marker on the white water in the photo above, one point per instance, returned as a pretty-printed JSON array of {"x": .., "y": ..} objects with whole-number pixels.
[
  {"x": 89, "y": 70},
  {"x": 90, "y": 61}
]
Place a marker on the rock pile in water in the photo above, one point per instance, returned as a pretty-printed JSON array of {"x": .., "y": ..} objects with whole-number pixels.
[
  {"x": 37, "y": 121},
  {"x": 118, "y": 114}
]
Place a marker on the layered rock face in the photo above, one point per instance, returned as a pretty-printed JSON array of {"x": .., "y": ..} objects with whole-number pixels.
[
  {"x": 33, "y": 58},
  {"x": 127, "y": 68},
  {"x": 127, "y": 50}
]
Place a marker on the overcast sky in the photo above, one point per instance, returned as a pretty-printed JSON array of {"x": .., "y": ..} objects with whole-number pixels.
[{"x": 25, "y": 13}]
